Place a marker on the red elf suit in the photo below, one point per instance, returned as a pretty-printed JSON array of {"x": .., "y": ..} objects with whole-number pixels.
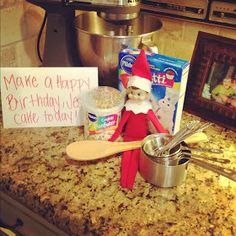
[{"x": 138, "y": 110}]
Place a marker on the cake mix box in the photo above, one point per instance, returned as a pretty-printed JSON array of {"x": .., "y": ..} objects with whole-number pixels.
[{"x": 169, "y": 80}]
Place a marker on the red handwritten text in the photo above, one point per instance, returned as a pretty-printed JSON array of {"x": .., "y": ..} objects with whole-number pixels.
[
  {"x": 72, "y": 84},
  {"x": 37, "y": 100},
  {"x": 26, "y": 118},
  {"x": 74, "y": 102},
  {"x": 16, "y": 103},
  {"x": 58, "y": 116},
  {"x": 27, "y": 81}
]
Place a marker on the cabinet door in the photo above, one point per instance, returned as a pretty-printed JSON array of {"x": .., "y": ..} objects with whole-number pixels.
[{"x": 23, "y": 221}]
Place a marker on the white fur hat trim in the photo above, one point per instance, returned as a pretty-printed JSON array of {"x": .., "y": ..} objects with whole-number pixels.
[{"x": 140, "y": 82}]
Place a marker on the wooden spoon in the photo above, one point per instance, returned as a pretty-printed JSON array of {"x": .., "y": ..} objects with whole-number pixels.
[{"x": 87, "y": 150}]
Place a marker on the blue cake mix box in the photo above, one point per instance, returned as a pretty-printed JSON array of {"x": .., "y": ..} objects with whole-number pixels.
[{"x": 169, "y": 80}]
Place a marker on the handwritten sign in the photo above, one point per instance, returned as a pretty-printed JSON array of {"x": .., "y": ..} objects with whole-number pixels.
[{"x": 45, "y": 97}]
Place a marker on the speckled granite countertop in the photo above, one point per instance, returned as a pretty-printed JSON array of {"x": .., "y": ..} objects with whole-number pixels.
[{"x": 87, "y": 199}]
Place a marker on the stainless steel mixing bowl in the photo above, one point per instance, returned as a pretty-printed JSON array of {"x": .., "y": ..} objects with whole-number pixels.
[{"x": 99, "y": 42}]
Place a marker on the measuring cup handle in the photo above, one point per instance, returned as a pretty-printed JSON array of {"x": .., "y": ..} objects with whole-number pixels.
[{"x": 228, "y": 173}]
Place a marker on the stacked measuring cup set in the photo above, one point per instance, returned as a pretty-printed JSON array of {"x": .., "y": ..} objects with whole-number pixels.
[{"x": 164, "y": 158}]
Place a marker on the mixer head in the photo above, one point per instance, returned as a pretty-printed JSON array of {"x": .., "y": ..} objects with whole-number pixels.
[{"x": 113, "y": 10}]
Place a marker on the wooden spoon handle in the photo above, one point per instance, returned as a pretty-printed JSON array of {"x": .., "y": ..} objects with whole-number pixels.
[
  {"x": 86, "y": 150},
  {"x": 124, "y": 146}
]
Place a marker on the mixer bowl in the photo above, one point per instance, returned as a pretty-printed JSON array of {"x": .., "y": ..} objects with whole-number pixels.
[{"x": 99, "y": 42}]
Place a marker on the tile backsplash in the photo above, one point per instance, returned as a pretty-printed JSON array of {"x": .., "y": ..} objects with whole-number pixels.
[
  {"x": 21, "y": 22},
  {"x": 177, "y": 37}
]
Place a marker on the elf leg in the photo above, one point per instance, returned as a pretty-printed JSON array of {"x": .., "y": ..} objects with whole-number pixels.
[
  {"x": 133, "y": 168},
  {"x": 125, "y": 163}
]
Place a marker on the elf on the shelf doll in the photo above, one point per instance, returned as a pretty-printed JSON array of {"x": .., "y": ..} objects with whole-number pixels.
[{"x": 138, "y": 110}]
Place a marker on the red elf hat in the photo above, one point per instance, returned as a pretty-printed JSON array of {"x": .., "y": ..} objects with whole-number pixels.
[{"x": 141, "y": 75}]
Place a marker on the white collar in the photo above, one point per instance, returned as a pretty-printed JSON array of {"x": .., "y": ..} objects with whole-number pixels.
[{"x": 138, "y": 106}]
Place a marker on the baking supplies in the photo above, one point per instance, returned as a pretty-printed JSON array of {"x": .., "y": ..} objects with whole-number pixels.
[
  {"x": 86, "y": 150},
  {"x": 102, "y": 107},
  {"x": 162, "y": 175},
  {"x": 187, "y": 131},
  {"x": 170, "y": 169},
  {"x": 176, "y": 153},
  {"x": 189, "y": 152}
]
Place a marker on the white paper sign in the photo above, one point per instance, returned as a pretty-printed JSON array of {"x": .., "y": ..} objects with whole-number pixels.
[{"x": 45, "y": 97}]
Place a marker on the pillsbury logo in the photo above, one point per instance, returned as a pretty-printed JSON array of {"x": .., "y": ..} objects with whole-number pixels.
[{"x": 126, "y": 63}]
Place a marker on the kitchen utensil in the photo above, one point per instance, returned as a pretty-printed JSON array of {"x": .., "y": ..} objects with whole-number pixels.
[
  {"x": 86, "y": 150},
  {"x": 206, "y": 158},
  {"x": 187, "y": 152},
  {"x": 178, "y": 156},
  {"x": 210, "y": 150},
  {"x": 153, "y": 142},
  {"x": 99, "y": 42},
  {"x": 228, "y": 173},
  {"x": 180, "y": 152},
  {"x": 174, "y": 140},
  {"x": 191, "y": 128},
  {"x": 162, "y": 175}
]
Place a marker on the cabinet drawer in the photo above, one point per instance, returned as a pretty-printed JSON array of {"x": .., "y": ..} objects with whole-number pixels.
[{"x": 29, "y": 223}]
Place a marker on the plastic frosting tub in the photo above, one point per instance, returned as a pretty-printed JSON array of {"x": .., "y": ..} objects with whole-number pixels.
[{"x": 102, "y": 107}]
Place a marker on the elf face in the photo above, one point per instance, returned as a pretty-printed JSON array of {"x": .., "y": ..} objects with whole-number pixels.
[{"x": 136, "y": 93}]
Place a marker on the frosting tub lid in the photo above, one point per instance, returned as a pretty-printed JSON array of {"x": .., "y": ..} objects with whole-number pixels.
[{"x": 103, "y": 100}]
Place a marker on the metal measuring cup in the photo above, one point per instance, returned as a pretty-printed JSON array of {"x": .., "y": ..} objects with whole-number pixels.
[{"x": 162, "y": 171}]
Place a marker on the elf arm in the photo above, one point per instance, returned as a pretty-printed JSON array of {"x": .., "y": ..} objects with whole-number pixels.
[
  {"x": 156, "y": 122},
  {"x": 123, "y": 120}
]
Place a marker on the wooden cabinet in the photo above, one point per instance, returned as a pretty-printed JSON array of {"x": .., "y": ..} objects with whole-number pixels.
[{"x": 24, "y": 222}]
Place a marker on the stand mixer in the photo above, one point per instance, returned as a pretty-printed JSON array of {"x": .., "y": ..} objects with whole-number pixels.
[{"x": 60, "y": 41}]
